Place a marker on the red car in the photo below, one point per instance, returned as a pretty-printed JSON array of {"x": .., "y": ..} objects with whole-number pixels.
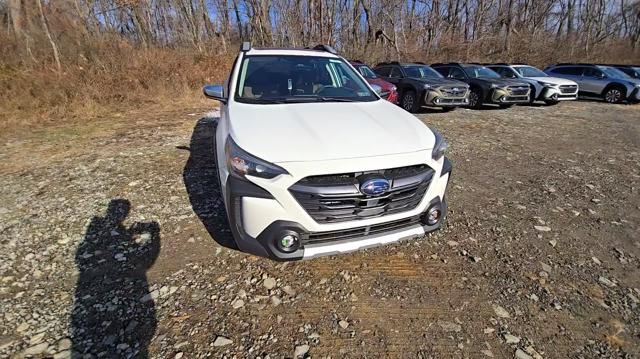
[{"x": 389, "y": 90}]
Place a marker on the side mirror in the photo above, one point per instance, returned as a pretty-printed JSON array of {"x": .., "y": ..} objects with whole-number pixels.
[
  {"x": 215, "y": 92},
  {"x": 377, "y": 89}
]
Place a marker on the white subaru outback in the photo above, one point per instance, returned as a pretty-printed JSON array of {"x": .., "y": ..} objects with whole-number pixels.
[{"x": 313, "y": 162}]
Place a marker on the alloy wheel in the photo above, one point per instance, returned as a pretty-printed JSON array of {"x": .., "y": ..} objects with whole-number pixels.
[
  {"x": 473, "y": 99},
  {"x": 407, "y": 101},
  {"x": 613, "y": 96}
]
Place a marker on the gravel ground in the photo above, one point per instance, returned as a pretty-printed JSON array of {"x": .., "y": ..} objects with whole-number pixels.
[{"x": 113, "y": 243}]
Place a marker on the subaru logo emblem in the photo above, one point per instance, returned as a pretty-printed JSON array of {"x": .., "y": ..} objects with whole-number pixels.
[
  {"x": 455, "y": 89},
  {"x": 374, "y": 186}
]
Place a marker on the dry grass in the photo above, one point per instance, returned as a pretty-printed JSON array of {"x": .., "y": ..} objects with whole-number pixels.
[{"x": 102, "y": 81}]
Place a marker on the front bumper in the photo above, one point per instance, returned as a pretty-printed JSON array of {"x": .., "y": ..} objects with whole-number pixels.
[
  {"x": 504, "y": 96},
  {"x": 259, "y": 213},
  {"x": 436, "y": 97},
  {"x": 557, "y": 94}
]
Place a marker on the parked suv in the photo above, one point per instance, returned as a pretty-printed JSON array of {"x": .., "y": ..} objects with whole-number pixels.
[
  {"x": 312, "y": 162},
  {"x": 630, "y": 70},
  {"x": 487, "y": 87},
  {"x": 389, "y": 90},
  {"x": 550, "y": 90},
  {"x": 420, "y": 85},
  {"x": 605, "y": 82}
]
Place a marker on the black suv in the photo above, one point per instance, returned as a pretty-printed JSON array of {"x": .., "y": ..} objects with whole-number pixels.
[
  {"x": 487, "y": 87},
  {"x": 420, "y": 85}
]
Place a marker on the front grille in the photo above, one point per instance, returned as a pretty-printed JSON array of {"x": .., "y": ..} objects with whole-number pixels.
[
  {"x": 519, "y": 99},
  {"x": 568, "y": 89},
  {"x": 337, "y": 198},
  {"x": 450, "y": 101},
  {"x": 359, "y": 232},
  {"x": 454, "y": 91},
  {"x": 518, "y": 90}
]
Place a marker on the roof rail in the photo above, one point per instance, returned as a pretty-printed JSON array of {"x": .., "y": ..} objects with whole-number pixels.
[
  {"x": 246, "y": 46},
  {"x": 387, "y": 63},
  {"x": 571, "y": 63},
  {"x": 445, "y": 63},
  {"x": 326, "y": 48}
]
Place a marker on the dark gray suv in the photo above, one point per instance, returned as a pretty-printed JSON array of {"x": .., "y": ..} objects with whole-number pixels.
[{"x": 601, "y": 81}]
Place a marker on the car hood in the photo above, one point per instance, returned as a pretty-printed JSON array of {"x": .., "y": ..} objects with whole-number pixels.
[
  {"x": 501, "y": 81},
  {"x": 554, "y": 80},
  {"x": 386, "y": 86},
  {"x": 325, "y": 131},
  {"x": 440, "y": 81}
]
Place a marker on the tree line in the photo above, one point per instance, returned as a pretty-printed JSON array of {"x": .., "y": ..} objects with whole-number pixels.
[{"x": 55, "y": 32}]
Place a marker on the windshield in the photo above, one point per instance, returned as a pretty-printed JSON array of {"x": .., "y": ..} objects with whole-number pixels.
[
  {"x": 268, "y": 79},
  {"x": 366, "y": 72},
  {"x": 530, "y": 71},
  {"x": 422, "y": 72},
  {"x": 613, "y": 72},
  {"x": 479, "y": 71}
]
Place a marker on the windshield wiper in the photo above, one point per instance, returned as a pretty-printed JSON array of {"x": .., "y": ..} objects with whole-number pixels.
[
  {"x": 334, "y": 99},
  {"x": 262, "y": 100}
]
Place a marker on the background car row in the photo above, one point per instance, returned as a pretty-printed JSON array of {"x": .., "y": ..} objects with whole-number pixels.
[{"x": 449, "y": 85}]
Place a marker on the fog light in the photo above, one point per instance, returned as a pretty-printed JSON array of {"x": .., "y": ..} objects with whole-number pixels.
[
  {"x": 288, "y": 242},
  {"x": 433, "y": 215}
]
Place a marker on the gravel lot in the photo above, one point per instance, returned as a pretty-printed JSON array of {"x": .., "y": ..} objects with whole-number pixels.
[{"x": 106, "y": 248}]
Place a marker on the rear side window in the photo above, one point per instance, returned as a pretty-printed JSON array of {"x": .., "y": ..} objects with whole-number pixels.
[
  {"x": 383, "y": 71},
  {"x": 593, "y": 72},
  {"x": 443, "y": 70},
  {"x": 503, "y": 71},
  {"x": 457, "y": 73},
  {"x": 395, "y": 72},
  {"x": 569, "y": 70}
]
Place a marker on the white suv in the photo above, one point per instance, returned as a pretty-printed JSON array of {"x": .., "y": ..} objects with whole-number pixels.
[
  {"x": 313, "y": 162},
  {"x": 545, "y": 88}
]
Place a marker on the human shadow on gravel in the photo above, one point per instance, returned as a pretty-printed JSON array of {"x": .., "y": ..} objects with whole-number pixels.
[
  {"x": 114, "y": 312},
  {"x": 200, "y": 179}
]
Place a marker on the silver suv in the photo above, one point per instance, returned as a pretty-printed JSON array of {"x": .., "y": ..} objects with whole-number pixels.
[{"x": 602, "y": 81}]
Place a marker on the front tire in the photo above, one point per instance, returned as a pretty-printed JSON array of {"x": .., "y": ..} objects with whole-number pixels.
[
  {"x": 410, "y": 101},
  {"x": 551, "y": 102},
  {"x": 475, "y": 98},
  {"x": 613, "y": 94}
]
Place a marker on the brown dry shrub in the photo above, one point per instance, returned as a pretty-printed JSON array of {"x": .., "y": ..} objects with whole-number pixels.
[{"x": 108, "y": 76}]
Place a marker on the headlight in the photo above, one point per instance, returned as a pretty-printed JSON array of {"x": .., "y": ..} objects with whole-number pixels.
[
  {"x": 440, "y": 147},
  {"x": 546, "y": 84},
  {"x": 495, "y": 86},
  {"x": 427, "y": 86},
  {"x": 241, "y": 163}
]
